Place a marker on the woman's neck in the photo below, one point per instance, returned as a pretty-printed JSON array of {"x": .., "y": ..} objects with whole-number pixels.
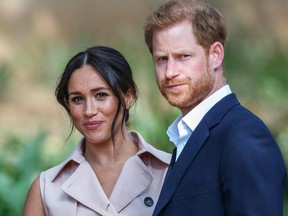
[{"x": 109, "y": 153}]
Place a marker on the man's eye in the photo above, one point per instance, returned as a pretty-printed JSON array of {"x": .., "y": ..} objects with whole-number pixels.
[
  {"x": 162, "y": 59},
  {"x": 183, "y": 57}
]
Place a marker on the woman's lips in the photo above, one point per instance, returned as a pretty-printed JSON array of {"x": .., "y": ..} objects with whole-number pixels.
[{"x": 92, "y": 125}]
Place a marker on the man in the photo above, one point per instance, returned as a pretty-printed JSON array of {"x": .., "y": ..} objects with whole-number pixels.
[{"x": 227, "y": 162}]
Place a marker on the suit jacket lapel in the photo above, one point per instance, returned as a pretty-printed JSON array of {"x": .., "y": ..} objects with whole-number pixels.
[
  {"x": 172, "y": 162},
  {"x": 176, "y": 173},
  {"x": 193, "y": 146}
]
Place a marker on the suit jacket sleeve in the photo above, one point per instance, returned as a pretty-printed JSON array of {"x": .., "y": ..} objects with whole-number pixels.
[{"x": 252, "y": 171}]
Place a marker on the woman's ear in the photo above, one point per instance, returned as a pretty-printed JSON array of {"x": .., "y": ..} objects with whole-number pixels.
[
  {"x": 129, "y": 98},
  {"x": 216, "y": 55}
]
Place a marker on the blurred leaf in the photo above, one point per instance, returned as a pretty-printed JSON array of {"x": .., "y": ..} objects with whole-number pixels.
[
  {"x": 18, "y": 174},
  {"x": 5, "y": 76}
]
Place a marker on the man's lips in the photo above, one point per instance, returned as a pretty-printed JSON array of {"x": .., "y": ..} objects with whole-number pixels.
[
  {"x": 176, "y": 85},
  {"x": 173, "y": 83},
  {"x": 92, "y": 125}
]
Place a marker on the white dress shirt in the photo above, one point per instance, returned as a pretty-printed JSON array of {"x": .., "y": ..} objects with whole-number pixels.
[{"x": 181, "y": 129}]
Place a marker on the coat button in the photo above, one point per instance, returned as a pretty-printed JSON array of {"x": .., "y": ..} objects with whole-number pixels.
[{"x": 148, "y": 201}]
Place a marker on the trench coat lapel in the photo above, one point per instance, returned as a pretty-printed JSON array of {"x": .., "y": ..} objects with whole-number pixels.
[
  {"x": 84, "y": 187},
  {"x": 135, "y": 177}
]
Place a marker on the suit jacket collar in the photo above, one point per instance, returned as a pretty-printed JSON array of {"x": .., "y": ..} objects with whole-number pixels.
[
  {"x": 194, "y": 144},
  {"x": 215, "y": 115}
]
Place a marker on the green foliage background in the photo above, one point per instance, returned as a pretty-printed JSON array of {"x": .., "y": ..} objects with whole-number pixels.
[{"x": 38, "y": 37}]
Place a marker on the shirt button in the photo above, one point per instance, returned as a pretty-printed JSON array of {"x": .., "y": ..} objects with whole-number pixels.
[{"x": 148, "y": 201}]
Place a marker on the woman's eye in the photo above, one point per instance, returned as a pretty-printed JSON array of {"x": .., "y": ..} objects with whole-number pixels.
[
  {"x": 101, "y": 95},
  {"x": 76, "y": 99}
]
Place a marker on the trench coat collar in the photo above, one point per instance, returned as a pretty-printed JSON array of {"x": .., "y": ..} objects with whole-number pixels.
[{"x": 134, "y": 178}]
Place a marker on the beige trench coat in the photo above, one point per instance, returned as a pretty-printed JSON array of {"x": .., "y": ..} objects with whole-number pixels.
[{"x": 72, "y": 188}]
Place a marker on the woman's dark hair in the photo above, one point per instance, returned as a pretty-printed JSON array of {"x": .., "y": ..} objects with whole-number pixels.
[{"x": 112, "y": 66}]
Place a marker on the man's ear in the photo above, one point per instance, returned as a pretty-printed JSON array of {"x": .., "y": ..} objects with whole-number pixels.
[
  {"x": 216, "y": 55},
  {"x": 129, "y": 98}
]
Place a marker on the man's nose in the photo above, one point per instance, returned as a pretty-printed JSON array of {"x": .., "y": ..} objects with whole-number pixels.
[{"x": 171, "y": 69}]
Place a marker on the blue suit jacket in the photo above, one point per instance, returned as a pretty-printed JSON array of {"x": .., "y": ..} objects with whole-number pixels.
[{"x": 230, "y": 165}]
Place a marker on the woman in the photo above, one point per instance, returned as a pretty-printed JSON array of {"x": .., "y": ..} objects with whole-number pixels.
[{"x": 112, "y": 171}]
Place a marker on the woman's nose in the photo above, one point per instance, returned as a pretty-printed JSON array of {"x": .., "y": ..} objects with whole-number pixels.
[{"x": 90, "y": 108}]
